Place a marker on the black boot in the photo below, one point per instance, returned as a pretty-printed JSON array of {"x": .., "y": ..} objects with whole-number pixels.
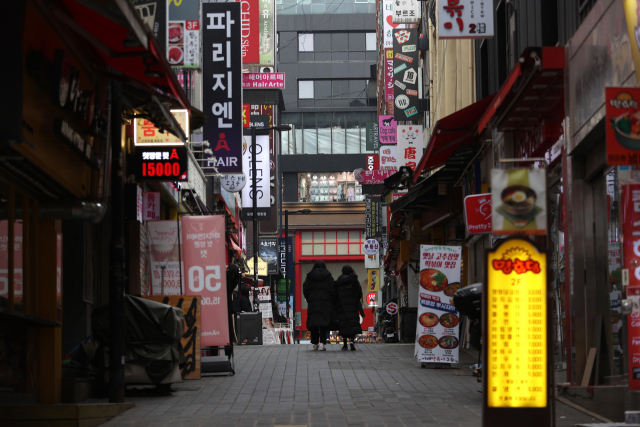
[
  {"x": 344, "y": 347},
  {"x": 353, "y": 347}
]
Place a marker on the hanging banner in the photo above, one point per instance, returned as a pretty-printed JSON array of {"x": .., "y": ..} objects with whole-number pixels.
[
  {"x": 164, "y": 254},
  {"x": 151, "y": 206},
  {"x": 270, "y": 225},
  {"x": 373, "y": 283},
  {"x": 465, "y": 19},
  {"x": 372, "y": 218},
  {"x": 268, "y": 252},
  {"x": 410, "y": 143},
  {"x": 518, "y": 202},
  {"x": 205, "y": 265},
  {"x": 389, "y": 158},
  {"x": 222, "y": 96},
  {"x": 373, "y": 143},
  {"x": 405, "y": 74},
  {"x": 387, "y": 130},
  {"x": 267, "y": 37},
  {"x": 250, "y": 31},
  {"x": 515, "y": 328},
  {"x": 388, "y": 75},
  {"x": 407, "y": 11},
  {"x": 262, "y": 191},
  {"x": 437, "y": 331},
  {"x": 623, "y": 125},
  {"x": 286, "y": 270}
]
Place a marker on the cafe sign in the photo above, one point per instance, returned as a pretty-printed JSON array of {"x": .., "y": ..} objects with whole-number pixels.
[{"x": 515, "y": 330}]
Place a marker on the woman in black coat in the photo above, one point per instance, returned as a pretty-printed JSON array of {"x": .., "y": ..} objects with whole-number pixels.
[
  {"x": 349, "y": 305},
  {"x": 320, "y": 293},
  {"x": 233, "y": 278}
]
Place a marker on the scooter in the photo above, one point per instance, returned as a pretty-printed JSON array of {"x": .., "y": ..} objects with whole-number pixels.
[
  {"x": 389, "y": 331},
  {"x": 468, "y": 302}
]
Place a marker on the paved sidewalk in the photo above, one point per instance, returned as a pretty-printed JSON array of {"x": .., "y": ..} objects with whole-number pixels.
[{"x": 378, "y": 385}]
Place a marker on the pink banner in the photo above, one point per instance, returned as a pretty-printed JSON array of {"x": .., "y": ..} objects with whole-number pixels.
[
  {"x": 375, "y": 177},
  {"x": 262, "y": 80},
  {"x": 205, "y": 274},
  {"x": 17, "y": 261},
  {"x": 387, "y": 130},
  {"x": 388, "y": 74}
]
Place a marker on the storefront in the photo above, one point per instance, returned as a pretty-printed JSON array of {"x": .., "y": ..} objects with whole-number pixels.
[{"x": 329, "y": 187}]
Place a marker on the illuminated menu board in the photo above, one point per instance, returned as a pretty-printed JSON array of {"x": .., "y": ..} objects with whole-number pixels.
[{"x": 516, "y": 364}]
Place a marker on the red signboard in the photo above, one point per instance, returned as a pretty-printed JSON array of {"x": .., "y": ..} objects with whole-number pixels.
[
  {"x": 373, "y": 177},
  {"x": 204, "y": 271},
  {"x": 477, "y": 211},
  {"x": 630, "y": 212},
  {"x": 373, "y": 162},
  {"x": 623, "y": 125},
  {"x": 250, "y": 12}
]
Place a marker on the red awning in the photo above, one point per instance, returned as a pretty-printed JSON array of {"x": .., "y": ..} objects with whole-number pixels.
[
  {"x": 236, "y": 249},
  {"x": 125, "y": 43},
  {"x": 500, "y": 97},
  {"x": 449, "y": 133}
]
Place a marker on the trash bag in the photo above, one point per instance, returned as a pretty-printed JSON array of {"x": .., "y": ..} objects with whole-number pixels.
[{"x": 152, "y": 335}]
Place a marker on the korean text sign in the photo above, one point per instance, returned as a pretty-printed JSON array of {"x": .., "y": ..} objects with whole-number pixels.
[
  {"x": 373, "y": 143},
  {"x": 407, "y": 11},
  {"x": 222, "y": 82},
  {"x": 465, "y": 19},
  {"x": 515, "y": 329},
  {"x": 146, "y": 133},
  {"x": 387, "y": 129},
  {"x": 204, "y": 271},
  {"x": 250, "y": 31},
  {"x": 477, "y": 213},
  {"x": 262, "y": 191},
  {"x": 263, "y": 81},
  {"x": 438, "y": 330},
  {"x": 267, "y": 36},
  {"x": 410, "y": 143},
  {"x": 405, "y": 74},
  {"x": 388, "y": 75},
  {"x": 387, "y": 24},
  {"x": 623, "y": 125},
  {"x": 389, "y": 157}
]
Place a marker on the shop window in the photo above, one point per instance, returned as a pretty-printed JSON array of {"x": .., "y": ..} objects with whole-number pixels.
[
  {"x": 305, "y": 42},
  {"x": 329, "y": 187},
  {"x": 332, "y": 243},
  {"x": 371, "y": 44},
  {"x": 305, "y": 89}
]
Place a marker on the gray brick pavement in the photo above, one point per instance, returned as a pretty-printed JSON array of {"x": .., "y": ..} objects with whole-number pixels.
[{"x": 380, "y": 385}]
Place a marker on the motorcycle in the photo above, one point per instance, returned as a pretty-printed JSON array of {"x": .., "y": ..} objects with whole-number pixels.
[
  {"x": 468, "y": 302},
  {"x": 390, "y": 333}
]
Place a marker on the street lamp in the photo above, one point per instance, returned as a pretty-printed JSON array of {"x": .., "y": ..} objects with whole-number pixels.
[
  {"x": 254, "y": 192},
  {"x": 286, "y": 263}
]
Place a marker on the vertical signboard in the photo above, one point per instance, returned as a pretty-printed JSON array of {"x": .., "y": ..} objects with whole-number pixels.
[
  {"x": 262, "y": 190},
  {"x": 373, "y": 143},
  {"x": 630, "y": 220},
  {"x": 387, "y": 129},
  {"x": 405, "y": 74},
  {"x": 410, "y": 143},
  {"x": 372, "y": 218},
  {"x": 373, "y": 162},
  {"x": 222, "y": 82},
  {"x": 388, "y": 24},
  {"x": 623, "y": 129},
  {"x": 286, "y": 270},
  {"x": 388, "y": 74},
  {"x": 267, "y": 36},
  {"x": 250, "y": 31},
  {"x": 183, "y": 33},
  {"x": 519, "y": 202},
  {"x": 465, "y": 19},
  {"x": 204, "y": 265},
  {"x": 373, "y": 282},
  {"x": 407, "y": 11},
  {"x": 164, "y": 254},
  {"x": 437, "y": 330},
  {"x": 389, "y": 158},
  {"x": 515, "y": 332},
  {"x": 154, "y": 14},
  {"x": 270, "y": 224},
  {"x": 151, "y": 206},
  {"x": 268, "y": 253}
]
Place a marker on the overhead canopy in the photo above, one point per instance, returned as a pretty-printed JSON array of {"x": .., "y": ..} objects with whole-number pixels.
[
  {"x": 126, "y": 45},
  {"x": 450, "y": 133}
]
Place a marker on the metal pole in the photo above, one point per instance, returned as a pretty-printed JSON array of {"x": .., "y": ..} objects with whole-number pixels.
[
  {"x": 162, "y": 267},
  {"x": 286, "y": 263},
  {"x": 117, "y": 320},
  {"x": 254, "y": 192}
]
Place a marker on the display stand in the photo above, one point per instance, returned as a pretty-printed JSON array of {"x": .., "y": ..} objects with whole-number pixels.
[{"x": 217, "y": 365}]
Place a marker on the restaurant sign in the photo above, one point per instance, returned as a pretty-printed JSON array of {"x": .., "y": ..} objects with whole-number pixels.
[{"x": 623, "y": 125}]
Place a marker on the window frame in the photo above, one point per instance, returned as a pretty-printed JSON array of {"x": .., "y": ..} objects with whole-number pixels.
[{"x": 349, "y": 242}]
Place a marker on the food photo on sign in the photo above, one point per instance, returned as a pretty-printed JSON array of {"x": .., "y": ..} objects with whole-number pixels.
[
  {"x": 623, "y": 126},
  {"x": 518, "y": 201}
]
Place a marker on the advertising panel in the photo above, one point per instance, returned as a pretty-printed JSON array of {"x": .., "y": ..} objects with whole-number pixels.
[
  {"x": 151, "y": 206},
  {"x": 623, "y": 125},
  {"x": 410, "y": 143},
  {"x": 373, "y": 143},
  {"x": 263, "y": 81},
  {"x": 389, "y": 158},
  {"x": 183, "y": 43},
  {"x": 407, "y": 11},
  {"x": 373, "y": 275},
  {"x": 387, "y": 129},
  {"x": 438, "y": 330},
  {"x": 388, "y": 24},
  {"x": 388, "y": 74},
  {"x": 519, "y": 202},
  {"x": 250, "y": 31},
  {"x": 204, "y": 271},
  {"x": 267, "y": 37},
  {"x": 630, "y": 220},
  {"x": 270, "y": 224},
  {"x": 465, "y": 19},
  {"x": 477, "y": 213},
  {"x": 262, "y": 190},
  {"x": 405, "y": 74},
  {"x": 162, "y": 163},
  {"x": 268, "y": 252},
  {"x": 515, "y": 326},
  {"x": 222, "y": 97},
  {"x": 164, "y": 254},
  {"x": 146, "y": 133}
]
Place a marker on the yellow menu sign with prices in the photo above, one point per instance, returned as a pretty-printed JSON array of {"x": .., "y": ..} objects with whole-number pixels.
[
  {"x": 516, "y": 365},
  {"x": 146, "y": 133}
]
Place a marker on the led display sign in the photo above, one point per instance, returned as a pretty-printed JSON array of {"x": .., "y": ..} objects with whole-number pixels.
[{"x": 161, "y": 163}]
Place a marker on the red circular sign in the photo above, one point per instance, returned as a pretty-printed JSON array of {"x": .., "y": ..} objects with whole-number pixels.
[
  {"x": 392, "y": 308},
  {"x": 371, "y": 298}
]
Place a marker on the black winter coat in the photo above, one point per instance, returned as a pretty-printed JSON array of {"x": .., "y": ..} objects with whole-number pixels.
[
  {"x": 349, "y": 299},
  {"x": 245, "y": 302},
  {"x": 320, "y": 292}
]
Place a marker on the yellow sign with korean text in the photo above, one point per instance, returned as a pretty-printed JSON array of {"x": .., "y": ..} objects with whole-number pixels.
[
  {"x": 146, "y": 133},
  {"x": 373, "y": 282},
  {"x": 516, "y": 329}
]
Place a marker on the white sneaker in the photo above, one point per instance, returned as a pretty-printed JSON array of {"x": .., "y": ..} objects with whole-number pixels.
[
  {"x": 315, "y": 347},
  {"x": 321, "y": 347}
]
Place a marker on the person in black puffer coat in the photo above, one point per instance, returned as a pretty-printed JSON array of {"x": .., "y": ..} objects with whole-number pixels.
[
  {"x": 349, "y": 305},
  {"x": 233, "y": 278},
  {"x": 245, "y": 302},
  {"x": 320, "y": 292}
]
